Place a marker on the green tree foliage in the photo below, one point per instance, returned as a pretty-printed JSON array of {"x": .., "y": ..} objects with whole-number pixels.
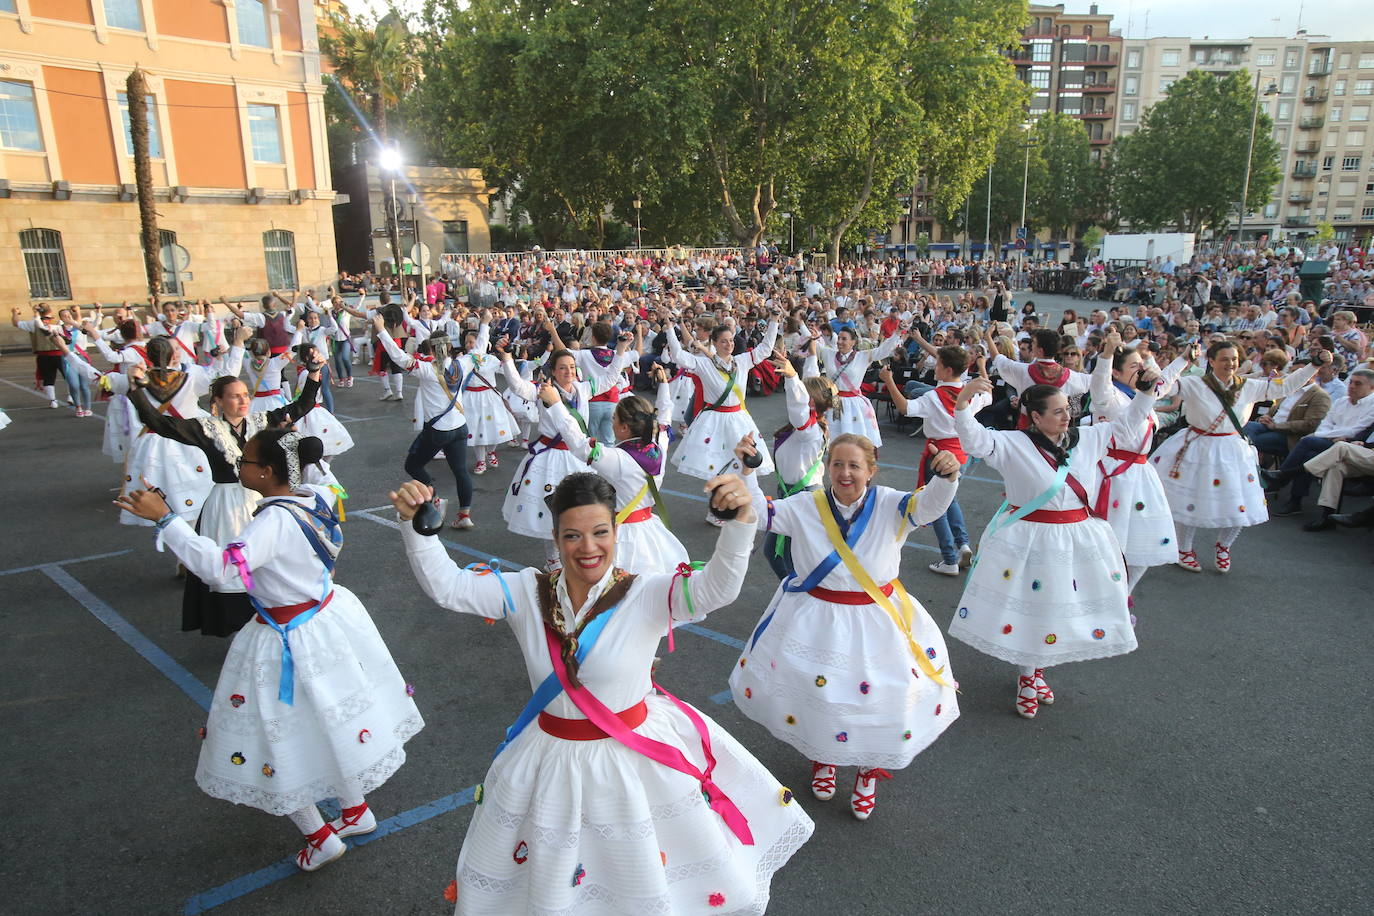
[
  {"x": 1065, "y": 195},
  {"x": 1185, "y": 167},
  {"x": 714, "y": 113},
  {"x": 377, "y": 62}
]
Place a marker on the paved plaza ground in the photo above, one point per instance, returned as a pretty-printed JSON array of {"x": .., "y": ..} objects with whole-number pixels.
[{"x": 1221, "y": 768}]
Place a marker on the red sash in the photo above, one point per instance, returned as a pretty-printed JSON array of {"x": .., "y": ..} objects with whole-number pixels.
[
  {"x": 951, "y": 445},
  {"x": 948, "y": 394},
  {"x": 268, "y": 394},
  {"x": 1127, "y": 459},
  {"x": 639, "y": 515},
  {"x": 585, "y": 729},
  {"x": 855, "y": 598},
  {"x": 1053, "y": 516},
  {"x": 1071, "y": 482},
  {"x": 288, "y": 613}
]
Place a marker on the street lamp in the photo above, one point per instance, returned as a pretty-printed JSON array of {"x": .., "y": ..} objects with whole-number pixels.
[
  {"x": 414, "y": 199},
  {"x": 1272, "y": 89},
  {"x": 389, "y": 160},
  {"x": 1025, "y": 184},
  {"x": 987, "y": 225},
  {"x": 639, "y": 239},
  {"x": 790, "y": 245}
]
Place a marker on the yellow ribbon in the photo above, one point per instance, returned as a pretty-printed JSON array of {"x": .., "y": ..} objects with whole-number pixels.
[
  {"x": 734, "y": 386},
  {"x": 630, "y": 506},
  {"x": 901, "y": 619},
  {"x": 339, "y": 496}
]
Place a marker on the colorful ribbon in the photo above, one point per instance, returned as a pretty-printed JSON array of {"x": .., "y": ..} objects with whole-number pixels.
[{"x": 234, "y": 554}]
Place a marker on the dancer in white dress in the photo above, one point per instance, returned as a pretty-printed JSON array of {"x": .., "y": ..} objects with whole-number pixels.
[
  {"x": 1131, "y": 497},
  {"x": 845, "y": 365},
  {"x": 121, "y": 422},
  {"x": 309, "y": 703},
  {"x": 707, "y": 447},
  {"x": 490, "y": 420},
  {"x": 634, "y": 465},
  {"x": 549, "y": 459},
  {"x": 799, "y": 446},
  {"x": 1209, "y": 469},
  {"x": 844, "y": 665},
  {"x": 264, "y": 371},
  {"x": 616, "y": 798},
  {"x": 319, "y": 422},
  {"x": 1043, "y": 370},
  {"x": 219, "y": 440},
  {"x": 1048, "y": 585}
]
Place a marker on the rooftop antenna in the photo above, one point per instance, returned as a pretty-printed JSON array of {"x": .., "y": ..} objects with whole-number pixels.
[
  {"x": 1301, "y": 4},
  {"x": 1130, "y": 9},
  {"x": 1147, "y": 25}
]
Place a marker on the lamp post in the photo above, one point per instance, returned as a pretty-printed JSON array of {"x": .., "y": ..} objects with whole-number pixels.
[
  {"x": 790, "y": 245},
  {"x": 987, "y": 225},
  {"x": 389, "y": 160},
  {"x": 1271, "y": 89},
  {"x": 1025, "y": 184},
  {"x": 639, "y": 239},
  {"x": 413, "y": 198}
]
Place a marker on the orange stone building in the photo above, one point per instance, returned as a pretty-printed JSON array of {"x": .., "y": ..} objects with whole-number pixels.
[{"x": 237, "y": 137}]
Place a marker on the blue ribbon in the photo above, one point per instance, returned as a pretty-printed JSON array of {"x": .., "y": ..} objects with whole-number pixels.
[
  {"x": 1125, "y": 389},
  {"x": 493, "y": 566},
  {"x": 851, "y": 530},
  {"x": 549, "y": 690},
  {"x": 1001, "y": 519}
]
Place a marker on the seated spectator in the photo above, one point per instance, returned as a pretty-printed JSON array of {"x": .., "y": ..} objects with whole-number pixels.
[
  {"x": 1346, "y": 420},
  {"x": 1278, "y": 431},
  {"x": 1344, "y": 459}
]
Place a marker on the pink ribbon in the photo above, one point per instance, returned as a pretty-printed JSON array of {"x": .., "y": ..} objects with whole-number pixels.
[
  {"x": 234, "y": 554},
  {"x": 597, "y": 713}
]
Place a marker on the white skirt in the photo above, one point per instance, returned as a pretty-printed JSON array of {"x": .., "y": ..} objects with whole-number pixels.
[
  {"x": 1217, "y": 485},
  {"x": 4, "y": 418},
  {"x": 526, "y": 512},
  {"x": 708, "y": 446},
  {"x": 838, "y": 683},
  {"x": 1044, "y": 594},
  {"x": 648, "y": 547},
  {"x": 268, "y": 402},
  {"x": 523, "y": 408},
  {"x": 326, "y": 427},
  {"x": 857, "y": 417},
  {"x": 1139, "y": 514},
  {"x": 180, "y": 471},
  {"x": 579, "y": 828},
  {"x": 228, "y": 510},
  {"x": 345, "y": 733},
  {"x": 684, "y": 392},
  {"x": 489, "y": 422},
  {"x": 121, "y": 426}
]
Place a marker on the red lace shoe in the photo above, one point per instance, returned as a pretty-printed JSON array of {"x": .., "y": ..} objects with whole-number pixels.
[
  {"x": 1043, "y": 693},
  {"x": 822, "y": 781},
  {"x": 1188, "y": 560},
  {"x": 861, "y": 802},
  {"x": 1027, "y": 697},
  {"x": 321, "y": 847},
  {"x": 480, "y": 468},
  {"x": 491, "y": 460},
  {"x": 1223, "y": 559},
  {"x": 354, "y": 821}
]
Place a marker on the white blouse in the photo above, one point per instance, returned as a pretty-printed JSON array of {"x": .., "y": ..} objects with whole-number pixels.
[
  {"x": 713, "y": 375},
  {"x": 615, "y": 464}
]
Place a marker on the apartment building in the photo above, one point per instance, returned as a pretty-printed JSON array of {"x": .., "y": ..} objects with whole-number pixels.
[
  {"x": 1318, "y": 93},
  {"x": 237, "y": 137}
]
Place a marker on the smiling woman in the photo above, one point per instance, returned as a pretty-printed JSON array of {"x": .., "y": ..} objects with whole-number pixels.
[{"x": 622, "y": 792}]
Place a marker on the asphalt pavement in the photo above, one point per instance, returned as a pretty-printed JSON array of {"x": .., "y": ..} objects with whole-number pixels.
[{"x": 1221, "y": 768}]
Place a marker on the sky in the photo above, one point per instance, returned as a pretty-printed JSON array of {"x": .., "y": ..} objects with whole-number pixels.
[{"x": 1343, "y": 20}]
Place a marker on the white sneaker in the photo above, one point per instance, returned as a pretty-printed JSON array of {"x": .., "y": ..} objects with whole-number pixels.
[
  {"x": 354, "y": 821},
  {"x": 965, "y": 557},
  {"x": 944, "y": 569},
  {"x": 463, "y": 522},
  {"x": 52, "y": 405},
  {"x": 396, "y": 397},
  {"x": 386, "y": 396}
]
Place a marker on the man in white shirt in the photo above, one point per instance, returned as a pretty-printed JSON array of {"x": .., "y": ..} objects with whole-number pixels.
[{"x": 1347, "y": 418}]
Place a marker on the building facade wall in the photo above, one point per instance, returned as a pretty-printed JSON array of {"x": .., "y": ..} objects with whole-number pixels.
[{"x": 216, "y": 188}]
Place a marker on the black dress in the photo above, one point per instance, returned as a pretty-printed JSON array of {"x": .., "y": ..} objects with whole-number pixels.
[{"x": 218, "y": 613}]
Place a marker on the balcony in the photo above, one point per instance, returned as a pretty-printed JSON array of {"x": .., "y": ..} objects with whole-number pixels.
[
  {"x": 1103, "y": 140},
  {"x": 1300, "y": 198},
  {"x": 1293, "y": 222},
  {"x": 1319, "y": 68},
  {"x": 1311, "y": 123},
  {"x": 1314, "y": 97},
  {"x": 1304, "y": 171},
  {"x": 1097, "y": 114},
  {"x": 1109, "y": 60},
  {"x": 1107, "y": 86},
  {"x": 1307, "y": 146}
]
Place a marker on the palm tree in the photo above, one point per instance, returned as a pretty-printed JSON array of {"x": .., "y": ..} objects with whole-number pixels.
[
  {"x": 136, "y": 90},
  {"x": 380, "y": 63}
]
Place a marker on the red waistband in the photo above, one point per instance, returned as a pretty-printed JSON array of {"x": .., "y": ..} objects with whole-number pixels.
[
  {"x": 552, "y": 443},
  {"x": 585, "y": 730},
  {"x": 850, "y": 394},
  {"x": 1121, "y": 454},
  {"x": 47, "y": 352},
  {"x": 478, "y": 388},
  {"x": 607, "y": 397},
  {"x": 1053, "y": 516},
  {"x": 642, "y": 514},
  {"x": 278, "y": 351},
  {"x": 732, "y": 408},
  {"x": 284, "y": 615},
  {"x": 268, "y": 394},
  {"x": 1203, "y": 432},
  {"x": 836, "y": 597}
]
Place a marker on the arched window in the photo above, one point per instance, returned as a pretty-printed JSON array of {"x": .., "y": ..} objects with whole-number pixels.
[
  {"x": 279, "y": 247},
  {"x": 45, "y": 264}
]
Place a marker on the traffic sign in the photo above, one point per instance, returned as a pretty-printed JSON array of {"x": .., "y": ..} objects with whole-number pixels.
[
  {"x": 174, "y": 258},
  {"x": 1020, "y": 244},
  {"x": 1020, "y": 232}
]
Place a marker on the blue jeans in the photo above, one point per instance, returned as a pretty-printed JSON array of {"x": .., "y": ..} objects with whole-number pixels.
[
  {"x": 342, "y": 359},
  {"x": 454, "y": 444},
  {"x": 915, "y": 389},
  {"x": 950, "y": 532},
  {"x": 1308, "y": 447},
  {"x": 1269, "y": 441},
  {"x": 77, "y": 384},
  {"x": 599, "y": 422}
]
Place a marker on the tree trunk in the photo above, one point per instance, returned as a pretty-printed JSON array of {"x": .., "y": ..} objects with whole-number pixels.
[
  {"x": 848, "y": 219},
  {"x": 137, "y": 91},
  {"x": 393, "y": 228}
]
